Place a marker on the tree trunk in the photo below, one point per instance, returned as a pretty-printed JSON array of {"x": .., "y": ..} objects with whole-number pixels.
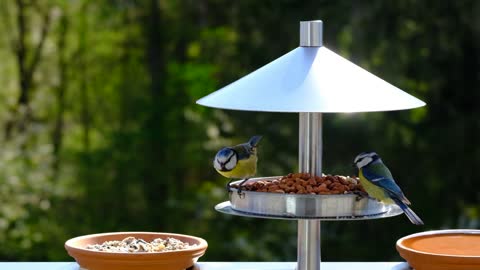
[
  {"x": 26, "y": 69},
  {"x": 156, "y": 174},
  {"x": 84, "y": 95},
  {"x": 61, "y": 89}
]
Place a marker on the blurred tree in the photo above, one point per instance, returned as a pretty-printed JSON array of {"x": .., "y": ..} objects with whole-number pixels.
[{"x": 28, "y": 53}]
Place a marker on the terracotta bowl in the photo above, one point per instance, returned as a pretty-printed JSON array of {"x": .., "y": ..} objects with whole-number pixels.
[
  {"x": 168, "y": 260},
  {"x": 442, "y": 250}
]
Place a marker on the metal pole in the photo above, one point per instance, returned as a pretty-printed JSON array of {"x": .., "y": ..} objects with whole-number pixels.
[{"x": 310, "y": 160}]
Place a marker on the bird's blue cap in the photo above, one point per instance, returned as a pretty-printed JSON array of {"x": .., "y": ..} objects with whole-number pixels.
[{"x": 225, "y": 152}]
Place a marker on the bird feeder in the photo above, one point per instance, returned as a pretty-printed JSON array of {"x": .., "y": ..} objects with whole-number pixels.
[{"x": 309, "y": 80}]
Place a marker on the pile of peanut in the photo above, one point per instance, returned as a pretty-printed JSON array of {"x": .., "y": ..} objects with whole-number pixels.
[{"x": 304, "y": 183}]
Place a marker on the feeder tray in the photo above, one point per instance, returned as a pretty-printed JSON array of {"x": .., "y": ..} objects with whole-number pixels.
[{"x": 305, "y": 206}]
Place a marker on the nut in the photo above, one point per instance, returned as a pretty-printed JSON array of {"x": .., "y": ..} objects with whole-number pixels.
[{"x": 305, "y": 183}]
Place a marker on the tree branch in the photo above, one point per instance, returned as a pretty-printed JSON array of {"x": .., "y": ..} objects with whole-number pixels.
[
  {"x": 57, "y": 137},
  {"x": 9, "y": 36},
  {"x": 20, "y": 52},
  {"x": 38, "y": 49}
]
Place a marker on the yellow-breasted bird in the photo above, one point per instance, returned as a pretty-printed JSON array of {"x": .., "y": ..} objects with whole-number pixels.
[
  {"x": 377, "y": 180},
  {"x": 238, "y": 162}
]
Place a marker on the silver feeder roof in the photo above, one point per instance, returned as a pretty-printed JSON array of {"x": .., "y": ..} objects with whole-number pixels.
[{"x": 311, "y": 78}]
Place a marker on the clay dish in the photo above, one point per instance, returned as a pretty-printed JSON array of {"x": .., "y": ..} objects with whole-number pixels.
[
  {"x": 167, "y": 260},
  {"x": 442, "y": 250}
]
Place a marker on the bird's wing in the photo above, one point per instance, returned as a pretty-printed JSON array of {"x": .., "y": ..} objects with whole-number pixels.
[
  {"x": 243, "y": 151},
  {"x": 380, "y": 170},
  {"x": 379, "y": 175}
]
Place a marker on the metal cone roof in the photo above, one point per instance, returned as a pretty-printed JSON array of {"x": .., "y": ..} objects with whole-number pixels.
[{"x": 311, "y": 79}]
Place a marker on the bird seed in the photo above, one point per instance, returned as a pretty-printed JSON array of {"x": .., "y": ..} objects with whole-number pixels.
[{"x": 132, "y": 245}]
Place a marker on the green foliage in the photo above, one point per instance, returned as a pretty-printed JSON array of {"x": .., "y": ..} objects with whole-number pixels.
[{"x": 111, "y": 138}]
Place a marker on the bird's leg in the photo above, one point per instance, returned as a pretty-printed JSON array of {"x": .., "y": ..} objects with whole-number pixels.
[
  {"x": 360, "y": 194},
  {"x": 229, "y": 188},
  {"x": 239, "y": 190}
]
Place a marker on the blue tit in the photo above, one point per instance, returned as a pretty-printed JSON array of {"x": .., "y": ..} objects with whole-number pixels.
[
  {"x": 238, "y": 162},
  {"x": 377, "y": 180}
]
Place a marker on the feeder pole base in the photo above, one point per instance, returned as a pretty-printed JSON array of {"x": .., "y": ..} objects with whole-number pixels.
[{"x": 308, "y": 249}]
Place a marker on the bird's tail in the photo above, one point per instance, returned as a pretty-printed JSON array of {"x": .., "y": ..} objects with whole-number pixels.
[
  {"x": 414, "y": 218},
  {"x": 254, "y": 141}
]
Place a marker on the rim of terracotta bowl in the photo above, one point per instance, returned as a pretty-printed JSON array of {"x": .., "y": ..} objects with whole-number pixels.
[
  {"x": 71, "y": 244},
  {"x": 439, "y": 257}
]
